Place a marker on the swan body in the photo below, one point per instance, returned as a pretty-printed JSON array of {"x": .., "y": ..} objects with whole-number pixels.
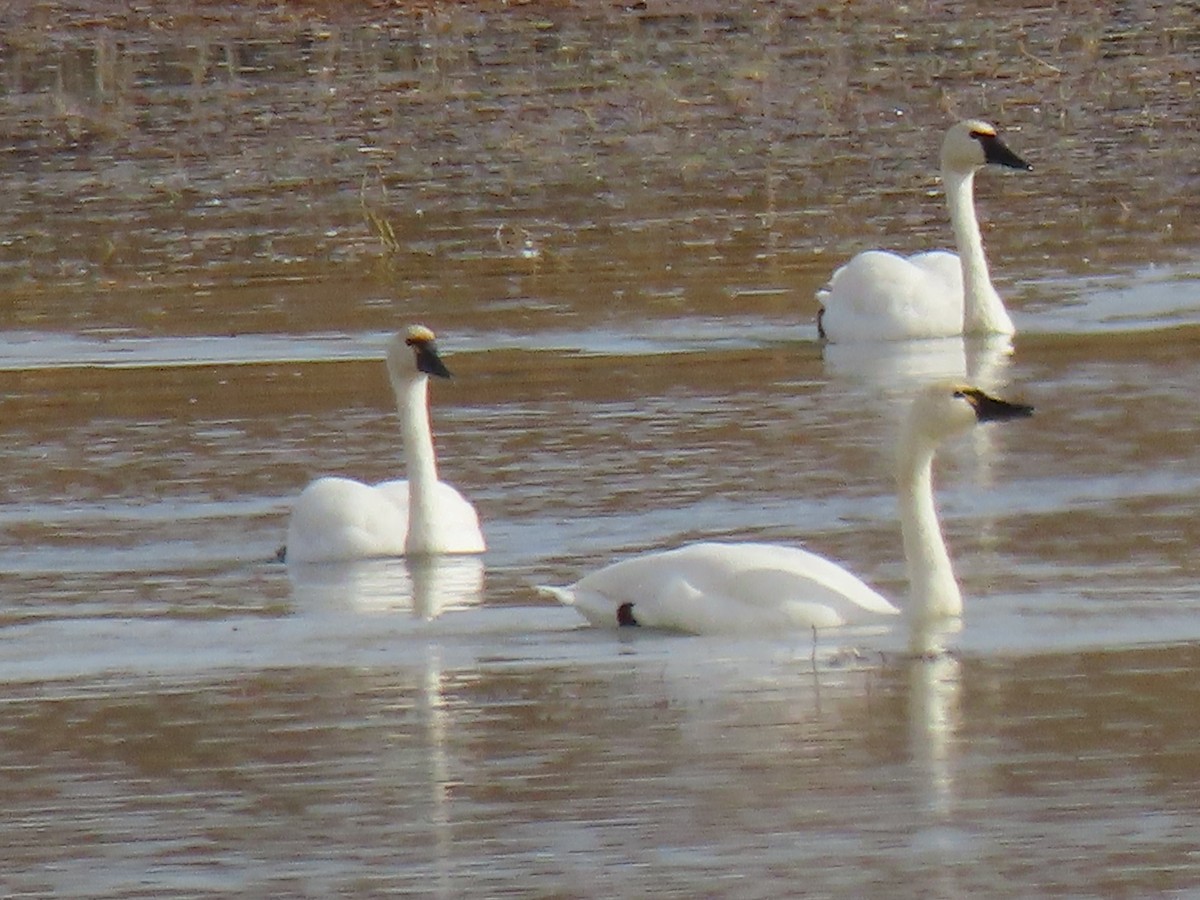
[
  {"x": 715, "y": 588},
  {"x": 337, "y": 519},
  {"x": 879, "y": 295},
  {"x": 725, "y": 588}
]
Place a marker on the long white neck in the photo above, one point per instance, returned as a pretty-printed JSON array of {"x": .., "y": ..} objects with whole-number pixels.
[
  {"x": 412, "y": 399},
  {"x": 933, "y": 590},
  {"x": 983, "y": 310}
]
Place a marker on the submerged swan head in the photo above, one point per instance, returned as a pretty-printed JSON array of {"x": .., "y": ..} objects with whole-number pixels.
[
  {"x": 424, "y": 349},
  {"x": 972, "y": 144}
]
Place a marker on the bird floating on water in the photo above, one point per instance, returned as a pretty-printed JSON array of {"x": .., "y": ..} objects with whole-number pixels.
[
  {"x": 337, "y": 519},
  {"x": 721, "y": 588},
  {"x": 879, "y": 295}
]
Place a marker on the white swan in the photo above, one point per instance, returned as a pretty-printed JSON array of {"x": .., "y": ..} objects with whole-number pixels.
[
  {"x": 725, "y": 587},
  {"x": 880, "y": 296},
  {"x": 337, "y": 519}
]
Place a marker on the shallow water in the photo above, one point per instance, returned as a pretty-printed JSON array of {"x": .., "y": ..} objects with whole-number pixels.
[{"x": 616, "y": 220}]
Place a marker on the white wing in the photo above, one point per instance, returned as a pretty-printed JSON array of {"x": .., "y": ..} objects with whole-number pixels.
[
  {"x": 456, "y": 522},
  {"x": 339, "y": 519},
  {"x": 720, "y": 588},
  {"x": 880, "y": 295}
]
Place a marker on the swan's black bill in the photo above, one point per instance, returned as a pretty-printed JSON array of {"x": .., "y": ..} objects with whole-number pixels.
[
  {"x": 993, "y": 409},
  {"x": 996, "y": 152},
  {"x": 428, "y": 360}
]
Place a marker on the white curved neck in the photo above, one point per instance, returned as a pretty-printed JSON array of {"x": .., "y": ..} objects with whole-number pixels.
[
  {"x": 933, "y": 590},
  {"x": 412, "y": 400},
  {"x": 983, "y": 310}
]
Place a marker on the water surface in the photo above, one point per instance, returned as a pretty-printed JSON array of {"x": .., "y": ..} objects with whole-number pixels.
[{"x": 615, "y": 219}]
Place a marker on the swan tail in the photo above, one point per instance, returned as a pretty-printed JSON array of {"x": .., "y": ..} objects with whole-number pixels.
[
  {"x": 563, "y": 595},
  {"x": 599, "y": 610}
]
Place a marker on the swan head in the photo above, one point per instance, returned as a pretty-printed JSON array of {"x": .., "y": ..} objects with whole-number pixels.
[
  {"x": 423, "y": 348},
  {"x": 972, "y": 144},
  {"x": 947, "y": 409}
]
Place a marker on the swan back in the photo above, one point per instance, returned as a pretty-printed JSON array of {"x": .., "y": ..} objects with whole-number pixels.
[
  {"x": 880, "y": 296},
  {"x": 723, "y": 588},
  {"x": 339, "y": 518}
]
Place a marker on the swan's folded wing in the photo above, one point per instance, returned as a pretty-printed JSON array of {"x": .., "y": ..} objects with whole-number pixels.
[
  {"x": 457, "y": 520},
  {"x": 879, "y": 295},
  {"x": 715, "y": 587},
  {"x": 339, "y": 519},
  {"x": 942, "y": 266},
  {"x": 758, "y": 571},
  {"x": 818, "y": 599},
  {"x": 395, "y": 491}
]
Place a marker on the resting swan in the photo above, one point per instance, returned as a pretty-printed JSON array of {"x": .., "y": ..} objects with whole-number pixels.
[
  {"x": 880, "y": 295},
  {"x": 765, "y": 588},
  {"x": 340, "y": 519}
]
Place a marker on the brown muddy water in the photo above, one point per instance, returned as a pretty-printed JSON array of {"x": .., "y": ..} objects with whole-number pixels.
[{"x": 615, "y": 217}]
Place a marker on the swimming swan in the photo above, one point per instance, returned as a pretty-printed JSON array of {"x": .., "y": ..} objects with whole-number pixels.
[
  {"x": 764, "y": 588},
  {"x": 880, "y": 295},
  {"x": 341, "y": 519}
]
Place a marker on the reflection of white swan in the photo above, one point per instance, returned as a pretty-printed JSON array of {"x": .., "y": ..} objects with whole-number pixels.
[
  {"x": 340, "y": 519},
  {"x": 716, "y": 587},
  {"x": 424, "y": 586},
  {"x": 903, "y": 366},
  {"x": 891, "y": 369},
  {"x": 933, "y": 719},
  {"x": 900, "y": 365},
  {"x": 880, "y": 295}
]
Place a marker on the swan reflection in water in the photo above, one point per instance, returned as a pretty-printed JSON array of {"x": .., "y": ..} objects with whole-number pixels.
[
  {"x": 934, "y": 723},
  {"x": 389, "y": 602},
  {"x": 901, "y": 367},
  {"x": 425, "y": 587},
  {"x": 891, "y": 370}
]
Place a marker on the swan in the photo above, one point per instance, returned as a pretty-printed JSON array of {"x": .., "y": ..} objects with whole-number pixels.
[
  {"x": 880, "y": 295},
  {"x": 714, "y": 588},
  {"x": 338, "y": 519}
]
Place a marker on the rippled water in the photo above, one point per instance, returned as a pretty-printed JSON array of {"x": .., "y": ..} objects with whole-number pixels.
[{"x": 616, "y": 219}]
